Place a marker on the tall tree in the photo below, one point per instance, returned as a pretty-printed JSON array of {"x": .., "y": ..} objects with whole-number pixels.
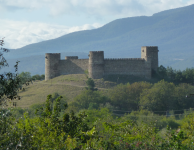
[{"x": 9, "y": 82}]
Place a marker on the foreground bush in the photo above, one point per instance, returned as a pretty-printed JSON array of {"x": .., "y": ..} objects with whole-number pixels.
[{"x": 95, "y": 129}]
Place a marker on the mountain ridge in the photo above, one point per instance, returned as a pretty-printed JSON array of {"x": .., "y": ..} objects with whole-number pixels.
[{"x": 171, "y": 30}]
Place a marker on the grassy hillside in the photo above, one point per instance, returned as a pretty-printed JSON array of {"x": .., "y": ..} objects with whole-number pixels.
[
  {"x": 69, "y": 86},
  {"x": 66, "y": 85}
]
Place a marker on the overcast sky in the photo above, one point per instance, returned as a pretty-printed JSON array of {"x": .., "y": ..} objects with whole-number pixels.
[{"x": 23, "y": 22}]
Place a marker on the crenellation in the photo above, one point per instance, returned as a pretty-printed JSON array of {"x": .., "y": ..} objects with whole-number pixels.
[
  {"x": 71, "y": 57},
  {"x": 124, "y": 59},
  {"x": 98, "y": 66}
]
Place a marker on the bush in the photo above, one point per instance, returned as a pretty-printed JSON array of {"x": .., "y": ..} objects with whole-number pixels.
[{"x": 89, "y": 98}]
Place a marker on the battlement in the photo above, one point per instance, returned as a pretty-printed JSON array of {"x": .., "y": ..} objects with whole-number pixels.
[
  {"x": 71, "y": 57},
  {"x": 150, "y": 46},
  {"x": 124, "y": 59},
  {"x": 97, "y": 51},
  {"x": 53, "y": 53}
]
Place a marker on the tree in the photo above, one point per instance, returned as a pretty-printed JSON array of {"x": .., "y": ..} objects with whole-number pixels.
[
  {"x": 25, "y": 77},
  {"x": 38, "y": 77},
  {"x": 90, "y": 83},
  {"x": 161, "y": 71},
  {"x": 48, "y": 130},
  {"x": 9, "y": 86},
  {"x": 89, "y": 98},
  {"x": 159, "y": 98},
  {"x": 188, "y": 75},
  {"x": 170, "y": 73},
  {"x": 9, "y": 82},
  {"x": 127, "y": 96}
]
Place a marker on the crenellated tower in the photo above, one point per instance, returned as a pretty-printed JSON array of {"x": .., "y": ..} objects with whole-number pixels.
[
  {"x": 150, "y": 53},
  {"x": 96, "y": 64},
  {"x": 52, "y": 65}
]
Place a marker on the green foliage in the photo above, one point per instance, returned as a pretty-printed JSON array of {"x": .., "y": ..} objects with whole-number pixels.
[
  {"x": 162, "y": 71},
  {"x": 90, "y": 83},
  {"x": 54, "y": 96},
  {"x": 176, "y": 76},
  {"x": 166, "y": 96},
  {"x": 94, "y": 129},
  {"x": 47, "y": 130},
  {"x": 86, "y": 73},
  {"x": 38, "y": 77},
  {"x": 170, "y": 122},
  {"x": 188, "y": 127},
  {"x": 25, "y": 77},
  {"x": 159, "y": 97},
  {"x": 9, "y": 82},
  {"x": 89, "y": 99},
  {"x": 127, "y": 97}
]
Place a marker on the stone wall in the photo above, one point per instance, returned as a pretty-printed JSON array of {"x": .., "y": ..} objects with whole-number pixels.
[
  {"x": 73, "y": 66},
  {"x": 130, "y": 66}
]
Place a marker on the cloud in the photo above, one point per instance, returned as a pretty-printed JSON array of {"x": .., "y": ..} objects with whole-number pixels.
[
  {"x": 20, "y": 33},
  {"x": 180, "y": 59},
  {"x": 97, "y": 8}
]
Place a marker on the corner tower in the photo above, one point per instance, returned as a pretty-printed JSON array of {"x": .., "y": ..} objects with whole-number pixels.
[
  {"x": 96, "y": 64},
  {"x": 52, "y": 65},
  {"x": 150, "y": 53}
]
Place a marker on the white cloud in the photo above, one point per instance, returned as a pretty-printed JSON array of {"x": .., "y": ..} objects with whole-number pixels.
[
  {"x": 18, "y": 34},
  {"x": 98, "y": 8}
]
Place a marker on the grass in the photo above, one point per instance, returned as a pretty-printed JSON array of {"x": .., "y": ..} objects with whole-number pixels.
[
  {"x": 69, "y": 86},
  {"x": 38, "y": 91}
]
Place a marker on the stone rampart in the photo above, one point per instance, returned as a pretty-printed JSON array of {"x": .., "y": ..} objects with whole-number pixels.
[
  {"x": 73, "y": 66},
  {"x": 124, "y": 59},
  {"x": 134, "y": 66},
  {"x": 97, "y": 66}
]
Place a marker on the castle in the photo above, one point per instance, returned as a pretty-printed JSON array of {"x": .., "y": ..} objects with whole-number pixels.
[{"x": 98, "y": 66}]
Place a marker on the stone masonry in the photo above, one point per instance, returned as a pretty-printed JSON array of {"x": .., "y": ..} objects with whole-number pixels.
[{"x": 98, "y": 66}]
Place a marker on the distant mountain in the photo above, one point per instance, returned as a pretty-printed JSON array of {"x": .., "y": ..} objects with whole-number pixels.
[{"x": 172, "y": 31}]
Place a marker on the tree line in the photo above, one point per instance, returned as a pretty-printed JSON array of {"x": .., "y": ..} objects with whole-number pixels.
[
  {"x": 176, "y": 76},
  {"x": 161, "y": 96},
  {"x": 27, "y": 77}
]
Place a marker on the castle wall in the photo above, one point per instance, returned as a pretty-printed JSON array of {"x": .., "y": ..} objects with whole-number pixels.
[
  {"x": 73, "y": 66},
  {"x": 97, "y": 66},
  {"x": 129, "y": 66}
]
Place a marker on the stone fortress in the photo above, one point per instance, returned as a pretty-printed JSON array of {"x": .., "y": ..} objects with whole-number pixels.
[{"x": 98, "y": 66}]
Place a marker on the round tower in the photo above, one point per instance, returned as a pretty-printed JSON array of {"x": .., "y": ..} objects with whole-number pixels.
[
  {"x": 52, "y": 65},
  {"x": 96, "y": 64}
]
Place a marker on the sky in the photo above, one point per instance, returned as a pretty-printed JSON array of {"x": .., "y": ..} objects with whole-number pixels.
[{"x": 23, "y": 22}]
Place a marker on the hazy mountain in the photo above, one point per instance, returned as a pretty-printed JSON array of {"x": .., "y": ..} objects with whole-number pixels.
[{"x": 172, "y": 31}]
